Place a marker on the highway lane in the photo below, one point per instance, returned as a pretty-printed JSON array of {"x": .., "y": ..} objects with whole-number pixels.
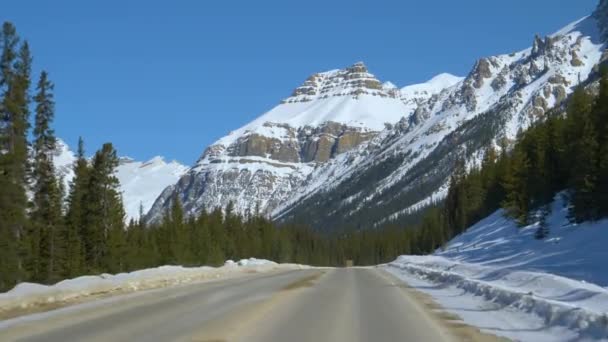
[{"x": 354, "y": 304}]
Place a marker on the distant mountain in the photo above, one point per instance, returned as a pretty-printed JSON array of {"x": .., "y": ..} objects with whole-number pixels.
[
  {"x": 345, "y": 150},
  {"x": 140, "y": 182}
]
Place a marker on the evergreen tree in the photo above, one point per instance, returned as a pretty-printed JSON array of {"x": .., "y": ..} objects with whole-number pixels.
[
  {"x": 517, "y": 200},
  {"x": 455, "y": 203},
  {"x": 75, "y": 218},
  {"x": 46, "y": 236},
  {"x": 104, "y": 213},
  {"x": 585, "y": 174},
  {"x": 601, "y": 112},
  {"x": 14, "y": 84},
  {"x": 181, "y": 239}
]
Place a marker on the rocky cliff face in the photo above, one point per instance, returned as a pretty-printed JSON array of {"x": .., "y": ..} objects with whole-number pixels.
[{"x": 347, "y": 150}]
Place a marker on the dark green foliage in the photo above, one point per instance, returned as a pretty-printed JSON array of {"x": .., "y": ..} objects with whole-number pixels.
[
  {"x": 15, "y": 65},
  {"x": 515, "y": 183},
  {"x": 103, "y": 214},
  {"x": 75, "y": 221},
  {"x": 45, "y": 236}
]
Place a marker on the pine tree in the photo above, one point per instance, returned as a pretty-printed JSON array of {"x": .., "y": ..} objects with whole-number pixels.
[
  {"x": 181, "y": 239},
  {"x": 601, "y": 113},
  {"x": 14, "y": 111},
  {"x": 585, "y": 174},
  {"x": 104, "y": 213},
  {"x": 75, "y": 218},
  {"x": 455, "y": 203},
  {"x": 231, "y": 230},
  {"x": 602, "y": 188},
  {"x": 46, "y": 236},
  {"x": 517, "y": 201},
  {"x": 115, "y": 261},
  {"x": 218, "y": 238}
]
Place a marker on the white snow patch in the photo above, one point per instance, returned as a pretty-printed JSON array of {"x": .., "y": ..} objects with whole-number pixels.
[{"x": 142, "y": 182}]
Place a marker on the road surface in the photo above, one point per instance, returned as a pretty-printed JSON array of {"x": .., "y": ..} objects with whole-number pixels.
[{"x": 354, "y": 304}]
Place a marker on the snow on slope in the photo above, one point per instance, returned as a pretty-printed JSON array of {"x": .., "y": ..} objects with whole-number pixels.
[
  {"x": 140, "y": 182},
  {"x": 331, "y": 96},
  {"x": 372, "y": 109},
  {"x": 433, "y": 86},
  {"x": 500, "y": 278}
]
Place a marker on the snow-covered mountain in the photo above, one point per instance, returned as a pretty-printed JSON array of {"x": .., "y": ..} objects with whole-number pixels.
[
  {"x": 408, "y": 166},
  {"x": 262, "y": 164},
  {"x": 140, "y": 182},
  {"x": 347, "y": 150}
]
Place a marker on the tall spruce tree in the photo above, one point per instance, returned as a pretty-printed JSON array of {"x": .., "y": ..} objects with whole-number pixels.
[
  {"x": 515, "y": 182},
  {"x": 601, "y": 112},
  {"x": 15, "y": 68},
  {"x": 46, "y": 238},
  {"x": 584, "y": 204},
  {"x": 104, "y": 213},
  {"x": 75, "y": 218},
  {"x": 583, "y": 156},
  {"x": 455, "y": 203},
  {"x": 12, "y": 214}
]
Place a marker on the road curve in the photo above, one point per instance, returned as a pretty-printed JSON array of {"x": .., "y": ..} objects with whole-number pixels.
[{"x": 353, "y": 304}]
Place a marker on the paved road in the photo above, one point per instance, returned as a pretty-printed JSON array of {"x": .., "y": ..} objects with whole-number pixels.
[{"x": 300, "y": 305}]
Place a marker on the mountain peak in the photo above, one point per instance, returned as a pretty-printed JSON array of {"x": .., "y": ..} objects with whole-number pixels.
[
  {"x": 433, "y": 86},
  {"x": 354, "y": 81}
]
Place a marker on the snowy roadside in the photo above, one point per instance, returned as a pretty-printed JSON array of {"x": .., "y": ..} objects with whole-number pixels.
[
  {"x": 520, "y": 305},
  {"x": 27, "y": 298},
  {"x": 498, "y": 277}
]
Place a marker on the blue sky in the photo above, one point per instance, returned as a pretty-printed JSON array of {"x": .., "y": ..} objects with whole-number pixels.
[{"x": 170, "y": 77}]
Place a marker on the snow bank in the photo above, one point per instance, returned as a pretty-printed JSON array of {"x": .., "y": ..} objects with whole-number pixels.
[
  {"x": 559, "y": 302},
  {"x": 28, "y": 295},
  {"x": 498, "y": 277}
]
